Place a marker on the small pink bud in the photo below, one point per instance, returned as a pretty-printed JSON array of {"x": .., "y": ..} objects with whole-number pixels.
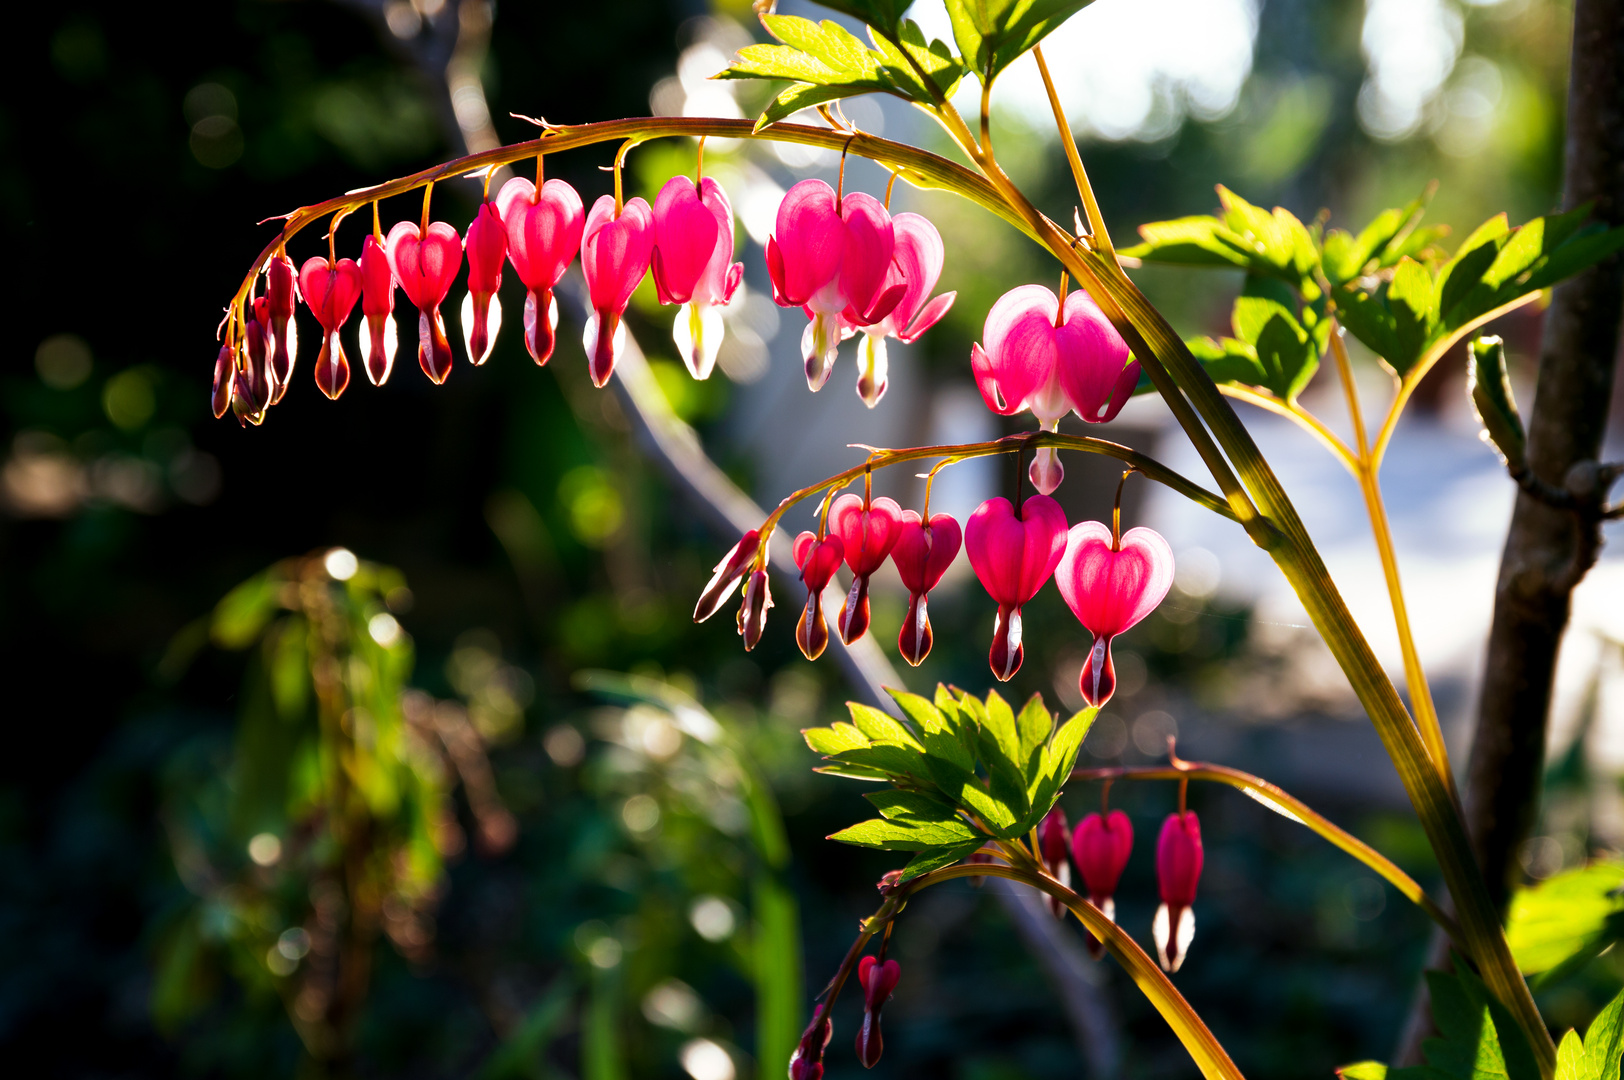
[
  {"x": 1178, "y": 869},
  {"x": 486, "y": 248},
  {"x": 379, "y": 341},
  {"x": 1052, "y": 849},
  {"x": 225, "y": 378},
  {"x": 807, "y": 1061},
  {"x": 818, "y": 560},
  {"x": 1110, "y": 590},
  {"x": 281, "y": 294},
  {"x": 331, "y": 292},
  {"x": 425, "y": 266},
  {"x": 878, "y": 981},
  {"x": 615, "y": 253},
  {"x": 543, "y": 236},
  {"x": 727, "y": 574},
  {"x": 1013, "y": 556},
  {"x": 868, "y": 535},
  {"x": 1100, "y": 847},
  {"x": 753, "y": 612},
  {"x": 922, "y": 554}
]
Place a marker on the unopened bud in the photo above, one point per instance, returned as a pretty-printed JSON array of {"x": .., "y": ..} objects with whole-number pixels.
[
  {"x": 753, "y": 612},
  {"x": 878, "y": 980},
  {"x": 727, "y": 574}
]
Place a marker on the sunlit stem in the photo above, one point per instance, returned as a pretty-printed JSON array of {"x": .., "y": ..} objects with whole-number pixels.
[
  {"x": 986, "y": 119},
  {"x": 1091, "y": 207},
  {"x": 377, "y": 224},
  {"x": 428, "y": 193},
  {"x": 1415, "y": 676},
  {"x": 620, "y": 165},
  {"x": 1301, "y": 417}
]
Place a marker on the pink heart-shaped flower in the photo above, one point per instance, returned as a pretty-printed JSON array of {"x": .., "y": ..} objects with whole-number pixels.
[
  {"x": 685, "y": 235},
  {"x": 331, "y": 292},
  {"x": 1107, "y": 590},
  {"x": 923, "y": 553},
  {"x": 868, "y": 534},
  {"x": 818, "y": 559},
  {"x": 425, "y": 265},
  {"x": 1100, "y": 847},
  {"x": 543, "y": 230},
  {"x": 1014, "y": 556}
]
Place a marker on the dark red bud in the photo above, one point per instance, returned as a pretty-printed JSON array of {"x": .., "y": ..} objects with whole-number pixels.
[
  {"x": 225, "y": 379},
  {"x": 854, "y": 612},
  {"x": 1007, "y": 651},
  {"x": 811, "y": 632},
  {"x": 807, "y": 1061},
  {"x": 1098, "y": 678},
  {"x": 915, "y": 638},
  {"x": 332, "y": 366},
  {"x": 540, "y": 324},
  {"x": 433, "y": 349},
  {"x": 753, "y": 612},
  {"x": 727, "y": 574},
  {"x": 878, "y": 980}
]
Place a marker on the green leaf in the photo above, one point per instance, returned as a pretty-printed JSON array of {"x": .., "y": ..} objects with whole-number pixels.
[
  {"x": 882, "y": 728},
  {"x": 895, "y": 805},
  {"x": 936, "y": 858},
  {"x": 797, "y": 96},
  {"x": 1228, "y": 360},
  {"x": 835, "y": 739},
  {"x": 947, "y": 703},
  {"x": 1480, "y": 1040},
  {"x": 1274, "y": 240},
  {"x": 1190, "y": 241},
  {"x": 853, "y": 772},
  {"x": 243, "y": 612},
  {"x": 999, "y": 722},
  {"x": 1567, "y": 919},
  {"x": 992, "y": 34},
  {"x": 1395, "y": 321},
  {"x": 883, "y": 14},
  {"x": 1032, "y": 724},
  {"x": 1489, "y": 387},
  {"x": 1570, "y": 1057},
  {"x": 1059, "y": 758},
  {"x": 1363, "y": 1070},
  {"x": 895, "y": 761},
  {"x": 1265, "y": 318},
  {"x": 907, "y": 835},
  {"x": 1604, "y": 1042},
  {"x": 935, "y": 59}
]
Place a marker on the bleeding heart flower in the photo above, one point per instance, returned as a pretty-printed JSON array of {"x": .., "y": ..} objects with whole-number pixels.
[
  {"x": 916, "y": 262},
  {"x": 1051, "y": 361},
  {"x": 807, "y": 1061},
  {"x": 728, "y": 573},
  {"x": 280, "y": 297},
  {"x": 868, "y": 533},
  {"x": 1013, "y": 556},
  {"x": 425, "y": 266},
  {"x": 923, "y": 552},
  {"x": 818, "y": 560},
  {"x": 486, "y": 248},
  {"x": 225, "y": 376},
  {"x": 831, "y": 256},
  {"x": 543, "y": 237},
  {"x": 331, "y": 293},
  {"x": 752, "y": 617},
  {"x": 615, "y": 253},
  {"x": 1100, "y": 847},
  {"x": 878, "y": 981},
  {"x": 1178, "y": 869},
  {"x": 1110, "y": 587},
  {"x": 1052, "y": 850},
  {"x": 693, "y": 265},
  {"x": 379, "y": 342},
  {"x": 256, "y": 384}
]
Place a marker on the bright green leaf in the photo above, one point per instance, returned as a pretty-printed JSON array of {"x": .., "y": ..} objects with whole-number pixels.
[
  {"x": 836, "y": 739},
  {"x": 906, "y": 836},
  {"x": 992, "y": 34},
  {"x": 852, "y": 772},
  {"x": 1189, "y": 241},
  {"x": 1567, "y": 918},
  {"x": 882, "y": 728},
  {"x": 936, "y": 858},
  {"x": 1032, "y": 724},
  {"x": 895, "y": 805},
  {"x": 1488, "y": 387},
  {"x": 1363, "y": 1070},
  {"x": 243, "y": 612}
]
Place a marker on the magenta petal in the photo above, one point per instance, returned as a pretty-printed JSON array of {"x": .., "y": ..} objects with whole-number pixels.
[
  {"x": 685, "y": 233},
  {"x": 1126, "y": 384},
  {"x": 543, "y": 233},
  {"x": 868, "y": 534},
  {"x": 884, "y": 304},
  {"x": 992, "y": 392},
  {"x": 866, "y": 261},
  {"x": 810, "y": 241},
  {"x": 1091, "y": 356},
  {"x": 928, "y": 317},
  {"x": 917, "y": 258},
  {"x": 615, "y": 251},
  {"x": 1110, "y": 591},
  {"x": 1013, "y": 556},
  {"x": 377, "y": 280},
  {"x": 922, "y": 555},
  {"x": 486, "y": 247},
  {"x": 1019, "y": 341}
]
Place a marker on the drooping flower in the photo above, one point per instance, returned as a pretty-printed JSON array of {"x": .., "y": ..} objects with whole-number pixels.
[
  {"x": 1100, "y": 847},
  {"x": 753, "y": 612},
  {"x": 807, "y": 1061},
  {"x": 225, "y": 378},
  {"x": 615, "y": 253},
  {"x": 425, "y": 266},
  {"x": 1052, "y": 850},
  {"x": 727, "y": 575},
  {"x": 282, "y": 328},
  {"x": 868, "y": 534},
  {"x": 878, "y": 981},
  {"x": 331, "y": 292},
  {"x": 1052, "y": 360},
  {"x": 828, "y": 255},
  {"x": 1013, "y": 556},
  {"x": 693, "y": 265},
  {"x": 1178, "y": 869},
  {"x": 818, "y": 560},
  {"x": 486, "y": 248},
  {"x": 256, "y": 384},
  {"x": 916, "y": 262},
  {"x": 923, "y": 552},
  {"x": 379, "y": 341},
  {"x": 1110, "y": 587},
  {"x": 543, "y": 236}
]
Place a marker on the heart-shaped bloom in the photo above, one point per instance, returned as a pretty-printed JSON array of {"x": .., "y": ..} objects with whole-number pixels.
[
  {"x": 916, "y": 262},
  {"x": 379, "y": 341},
  {"x": 615, "y": 253},
  {"x": 1100, "y": 847},
  {"x": 818, "y": 560},
  {"x": 486, "y": 248},
  {"x": 752, "y": 617},
  {"x": 727, "y": 574},
  {"x": 1050, "y": 360},
  {"x": 1110, "y": 587},
  {"x": 543, "y": 237},
  {"x": 1013, "y": 556},
  {"x": 225, "y": 378},
  {"x": 425, "y": 266},
  {"x": 280, "y": 297},
  {"x": 868, "y": 534},
  {"x": 331, "y": 292},
  {"x": 831, "y": 256},
  {"x": 878, "y": 981},
  {"x": 923, "y": 552},
  {"x": 1052, "y": 837},
  {"x": 693, "y": 265},
  {"x": 807, "y": 1061},
  {"x": 1178, "y": 869}
]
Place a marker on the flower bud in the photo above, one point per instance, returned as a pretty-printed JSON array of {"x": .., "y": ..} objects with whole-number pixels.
[
  {"x": 753, "y": 612},
  {"x": 281, "y": 295},
  {"x": 807, "y": 1061},
  {"x": 868, "y": 534},
  {"x": 1100, "y": 847},
  {"x": 225, "y": 377},
  {"x": 486, "y": 248},
  {"x": 878, "y": 980},
  {"x": 1178, "y": 869},
  {"x": 923, "y": 552},
  {"x": 1052, "y": 836},
  {"x": 727, "y": 573},
  {"x": 818, "y": 560},
  {"x": 379, "y": 341}
]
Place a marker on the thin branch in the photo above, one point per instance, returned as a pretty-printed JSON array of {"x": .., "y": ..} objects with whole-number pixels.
[
  {"x": 1091, "y": 206},
  {"x": 1299, "y": 416}
]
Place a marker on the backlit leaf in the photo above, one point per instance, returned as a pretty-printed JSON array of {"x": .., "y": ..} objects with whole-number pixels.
[
  {"x": 1567, "y": 918},
  {"x": 906, "y": 835}
]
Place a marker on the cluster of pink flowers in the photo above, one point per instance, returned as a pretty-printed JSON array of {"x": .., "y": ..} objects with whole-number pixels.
[
  {"x": 1100, "y": 847},
  {"x": 1109, "y": 582}
]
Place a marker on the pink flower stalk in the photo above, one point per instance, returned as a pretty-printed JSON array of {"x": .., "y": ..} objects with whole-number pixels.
[
  {"x": 868, "y": 534},
  {"x": 916, "y": 262},
  {"x": 1052, "y": 850},
  {"x": 923, "y": 552},
  {"x": 543, "y": 236},
  {"x": 225, "y": 377},
  {"x": 615, "y": 251},
  {"x": 753, "y": 612},
  {"x": 1013, "y": 556},
  {"x": 727, "y": 575},
  {"x": 807, "y": 1061},
  {"x": 818, "y": 560},
  {"x": 486, "y": 248},
  {"x": 693, "y": 265},
  {"x": 878, "y": 981},
  {"x": 1178, "y": 869},
  {"x": 831, "y": 256},
  {"x": 379, "y": 341},
  {"x": 331, "y": 292},
  {"x": 281, "y": 294},
  {"x": 1100, "y": 847},
  {"x": 1110, "y": 586},
  {"x": 425, "y": 266},
  {"x": 1052, "y": 360}
]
